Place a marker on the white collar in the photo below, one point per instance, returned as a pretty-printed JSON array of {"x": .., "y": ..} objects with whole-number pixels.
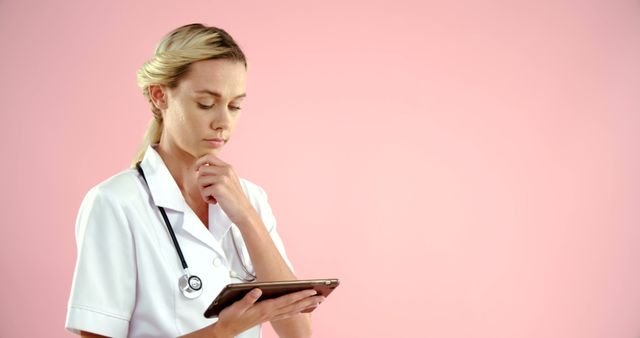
[
  {"x": 164, "y": 189},
  {"x": 165, "y": 193}
]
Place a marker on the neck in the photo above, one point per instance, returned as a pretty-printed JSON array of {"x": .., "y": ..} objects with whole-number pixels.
[{"x": 181, "y": 165}]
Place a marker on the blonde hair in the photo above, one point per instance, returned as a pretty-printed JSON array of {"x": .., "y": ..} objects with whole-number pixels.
[{"x": 173, "y": 56}]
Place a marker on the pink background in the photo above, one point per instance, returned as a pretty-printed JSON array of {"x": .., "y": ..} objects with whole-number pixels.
[{"x": 467, "y": 168}]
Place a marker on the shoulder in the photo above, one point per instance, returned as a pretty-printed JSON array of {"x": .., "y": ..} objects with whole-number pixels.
[
  {"x": 105, "y": 208},
  {"x": 258, "y": 198},
  {"x": 120, "y": 188},
  {"x": 256, "y": 194},
  {"x": 252, "y": 190}
]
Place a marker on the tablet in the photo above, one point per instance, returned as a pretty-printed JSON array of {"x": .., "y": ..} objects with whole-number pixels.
[{"x": 234, "y": 292}]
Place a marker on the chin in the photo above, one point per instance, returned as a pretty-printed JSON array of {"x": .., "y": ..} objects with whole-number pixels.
[{"x": 207, "y": 150}]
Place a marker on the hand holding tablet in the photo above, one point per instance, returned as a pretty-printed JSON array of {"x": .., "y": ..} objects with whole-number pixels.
[{"x": 234, "y": 292}]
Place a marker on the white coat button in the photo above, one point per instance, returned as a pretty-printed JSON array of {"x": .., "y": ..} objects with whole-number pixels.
[{"x": 217, "y": 261}]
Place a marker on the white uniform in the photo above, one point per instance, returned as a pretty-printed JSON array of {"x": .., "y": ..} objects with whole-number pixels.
[{"x": 125, "y": 282}]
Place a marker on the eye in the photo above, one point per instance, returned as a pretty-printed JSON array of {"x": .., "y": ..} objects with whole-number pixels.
[
  {"x": 235, "y": 108},
  {"x": 204, "y": 106}
]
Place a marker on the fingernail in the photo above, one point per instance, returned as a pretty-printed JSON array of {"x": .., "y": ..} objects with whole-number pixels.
[
  {"x": 312, "y": 292},
  {"x": 255, "y": 293}
]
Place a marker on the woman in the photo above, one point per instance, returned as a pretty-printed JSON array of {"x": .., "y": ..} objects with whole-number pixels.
[{"x": 129, "y": 278}]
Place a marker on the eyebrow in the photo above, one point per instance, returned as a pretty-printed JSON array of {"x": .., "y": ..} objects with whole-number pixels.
[{"x": 216, "y": 94}]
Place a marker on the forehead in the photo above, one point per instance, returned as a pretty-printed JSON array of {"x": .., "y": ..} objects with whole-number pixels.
[{"x": 227, "y": 77}]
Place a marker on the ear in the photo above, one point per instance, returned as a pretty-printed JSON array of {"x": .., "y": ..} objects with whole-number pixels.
[{"x": 158, "y": 96}]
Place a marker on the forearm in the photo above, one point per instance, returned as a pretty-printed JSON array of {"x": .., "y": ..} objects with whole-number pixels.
[
  {"x": 269, "y": 265},
  {"x": 294, "y": 327},
  {"x": 267, "y": 262},
  {"x": 211, "y": 331}
]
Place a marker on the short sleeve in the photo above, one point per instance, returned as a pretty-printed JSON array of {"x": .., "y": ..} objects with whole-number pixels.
[
  {"x": 103, "y": 290},
  {"x": 269, "y": 221}
]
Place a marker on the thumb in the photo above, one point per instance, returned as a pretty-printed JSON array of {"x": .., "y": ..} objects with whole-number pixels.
[{"x": 250, "y": 298}]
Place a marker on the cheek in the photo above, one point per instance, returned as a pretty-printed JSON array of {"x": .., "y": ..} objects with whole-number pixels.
[
  {"x": 177, "y": 122},
  {"x": 234, "y": 119},
  {"x": 181, "y": 117},
  {"x": 185, "y": 120},
  {"x": 174, "y": 116}
]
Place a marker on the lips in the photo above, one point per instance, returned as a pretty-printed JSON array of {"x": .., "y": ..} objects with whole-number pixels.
[
  {"x": 215, "y": 142},
  {"x": 215, "y": 139}
]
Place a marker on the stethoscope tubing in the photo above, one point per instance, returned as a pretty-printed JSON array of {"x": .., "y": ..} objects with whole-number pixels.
[{"x": 168, "y": 224}]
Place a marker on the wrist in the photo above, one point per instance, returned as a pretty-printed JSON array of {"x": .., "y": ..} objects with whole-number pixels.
[
  {"x": 218, "y": 330},
  {"x": 251, "y": 220}
]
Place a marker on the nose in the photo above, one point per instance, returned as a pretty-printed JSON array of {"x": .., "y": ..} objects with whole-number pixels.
[{"x": 221, "y": 119}]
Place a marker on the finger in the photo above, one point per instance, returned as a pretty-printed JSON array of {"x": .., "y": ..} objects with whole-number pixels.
[
  {"x": 293, "y": 308},
  {"x": 211, "y": 159},
  {"x": 275, "y": 304},
  {"x": 248, "y": 300},
  {"x": 294, "y": 297},
  {"x": 309, "y": 309},
  {"x": 283, "y": 316},
  {"x": 210, "y": 185},
  {"x": 207, "y": 169},
  {"x": 293, "y": 314},
  {"x": 207, "y": 195},
  {"x": 205, "y": 181},
  {"x": 297, "y": 310},
  {"x": 290, "y": 298},
  {"x": 301, "y": 305}
]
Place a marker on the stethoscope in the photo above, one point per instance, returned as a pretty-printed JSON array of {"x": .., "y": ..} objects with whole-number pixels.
[{"x": 191, "y": 285}]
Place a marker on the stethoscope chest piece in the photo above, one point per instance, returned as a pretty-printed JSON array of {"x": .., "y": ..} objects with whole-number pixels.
[{"x": 191, "y": 286}]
